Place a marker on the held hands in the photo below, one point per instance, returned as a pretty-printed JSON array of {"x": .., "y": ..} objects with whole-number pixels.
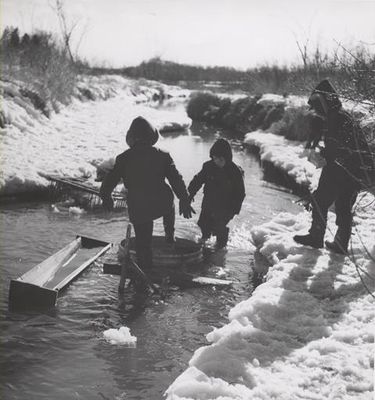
[{"x": 186, "y": 209}]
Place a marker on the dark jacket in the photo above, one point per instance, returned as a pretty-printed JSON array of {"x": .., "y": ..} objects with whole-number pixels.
[
  {"x": 143, "y": 170},
  {"x": 224, "y": 189},
  {"x": 346, "y": 148}
]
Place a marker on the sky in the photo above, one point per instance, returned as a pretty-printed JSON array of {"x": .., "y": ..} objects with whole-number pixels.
[{"x": 235, "y": 33}]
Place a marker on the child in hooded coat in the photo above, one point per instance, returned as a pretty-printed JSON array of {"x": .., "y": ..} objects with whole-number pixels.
[
  {"x": 223, "y": 192},
  {"x": 143, "y": 169}
]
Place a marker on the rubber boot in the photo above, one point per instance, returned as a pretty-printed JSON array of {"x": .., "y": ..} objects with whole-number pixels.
[
  {"x": 335, "y": 247},
  {"x": 315, "y": 236},
  {"x": 222, "y": 238},
  {"x": 309, "y": 240},
  {"x": 340, "y": 242}
]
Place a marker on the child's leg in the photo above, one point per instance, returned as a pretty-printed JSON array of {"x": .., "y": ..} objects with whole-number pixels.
[
  {"x": 205, "y": 223},
  {"x": 143, "y": 243},
  {"x": 168, "y": 222},
  {"x": 221, "y": 230},
  {"x": 222, "y": 235}
]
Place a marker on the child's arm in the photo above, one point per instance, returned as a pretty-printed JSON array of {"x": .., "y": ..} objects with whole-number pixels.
[
  {"x": 239, "y": 191},
  {"x": 179, "y": 188},
  {"x": 196, "y": 183},
  {"x": 109, "y": 183},
  {"x": 175, "y": 179}
]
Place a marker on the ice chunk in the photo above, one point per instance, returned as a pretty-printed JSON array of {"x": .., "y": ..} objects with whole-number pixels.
[{"x": 120, "y": 336}]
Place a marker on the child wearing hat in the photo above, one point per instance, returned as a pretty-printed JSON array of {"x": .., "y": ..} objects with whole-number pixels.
[
  {"x": 144, "y": 170},
  {"x": 223, "y": 192}
]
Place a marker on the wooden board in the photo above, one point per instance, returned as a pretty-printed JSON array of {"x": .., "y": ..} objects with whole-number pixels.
[{"x": 176, "y": 276}]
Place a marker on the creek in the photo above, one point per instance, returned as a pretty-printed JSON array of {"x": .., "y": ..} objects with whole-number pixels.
[{"x": 61, "y": 354}]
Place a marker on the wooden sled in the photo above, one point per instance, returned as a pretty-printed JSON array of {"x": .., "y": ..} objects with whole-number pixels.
[
  {"x": 175, "y": 276},
  {"x": 40, "y": 287}
]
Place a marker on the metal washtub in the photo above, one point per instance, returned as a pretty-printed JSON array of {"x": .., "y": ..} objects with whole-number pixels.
[{"x": 183, "y": 252}]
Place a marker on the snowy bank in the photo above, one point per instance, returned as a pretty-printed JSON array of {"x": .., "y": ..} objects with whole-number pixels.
[
  {"x": 81, "y": 134},
  {"x": 306, "y": 333},
  {"x": 289, "y": 156}
]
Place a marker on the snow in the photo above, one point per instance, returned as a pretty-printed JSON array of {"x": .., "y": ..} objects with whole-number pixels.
[
  {"x": 290, "y": 156},
  {"x": 80, "y": 136},
  {"x": 305, "y": 333},
  {"x": 121, "y": 336},
  {"x": 76, "y": 210},
  {"x": 288, "y": 101}
]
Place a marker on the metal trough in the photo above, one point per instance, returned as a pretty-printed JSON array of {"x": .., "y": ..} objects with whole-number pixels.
[{"x": 39, "y": 287}]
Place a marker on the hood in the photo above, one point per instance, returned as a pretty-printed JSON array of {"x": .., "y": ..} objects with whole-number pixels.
[
  {"x": 221, "y": 148},
  {"x": 142, "y": 132},
  {"x": 324, "y": 98}
]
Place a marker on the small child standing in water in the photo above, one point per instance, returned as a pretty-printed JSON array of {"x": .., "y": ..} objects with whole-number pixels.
[{"x": 223, "y": 192}]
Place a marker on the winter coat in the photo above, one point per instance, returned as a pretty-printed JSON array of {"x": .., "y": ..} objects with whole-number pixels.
[
  {"x": 224, "y": 190},
  {"x": 344, "y": 141},
  {"x": 143, "y": 170},
  {"x": 346, "y": 149}
]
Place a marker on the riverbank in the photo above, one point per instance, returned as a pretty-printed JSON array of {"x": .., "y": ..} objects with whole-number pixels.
[
  {"x": 307, "y": 331},
  {"x": 74, "y": 140},
  {"x": 302, "y": 166}
]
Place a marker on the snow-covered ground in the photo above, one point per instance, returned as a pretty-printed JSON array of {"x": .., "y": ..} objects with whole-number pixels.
[
  {"x": 306, "y": 333},
  {"x": 290, "y": 156},
  {"x": 72, "y": 141}
]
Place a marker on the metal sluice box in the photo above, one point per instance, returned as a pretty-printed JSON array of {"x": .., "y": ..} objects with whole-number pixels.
[{"x": 40, "y": 286}]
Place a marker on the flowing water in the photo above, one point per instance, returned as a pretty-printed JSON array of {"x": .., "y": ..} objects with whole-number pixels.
[{"x": 61, "y": 354}]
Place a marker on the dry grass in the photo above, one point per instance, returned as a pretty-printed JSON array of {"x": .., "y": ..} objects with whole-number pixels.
[
  {"x": 294, "y": 125},
  {"x": 46, "y": 73}
]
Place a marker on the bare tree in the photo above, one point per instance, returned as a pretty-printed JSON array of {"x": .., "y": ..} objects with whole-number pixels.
[
  {"x": 67, "y": 28},
  {"x": 359, "y": 67},
  {"x": 303, "y": 50}
]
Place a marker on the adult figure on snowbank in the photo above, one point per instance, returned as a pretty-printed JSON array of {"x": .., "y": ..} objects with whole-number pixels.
[
  {"x": 347, "y": 156},
  {"x": 143, "y": 169}
]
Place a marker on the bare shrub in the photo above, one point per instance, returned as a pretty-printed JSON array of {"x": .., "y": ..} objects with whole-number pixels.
[
  {"x": 38, "y": 60},
  {"x": 294, "y": 125},
  {"x": 200, "y": 103}
]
